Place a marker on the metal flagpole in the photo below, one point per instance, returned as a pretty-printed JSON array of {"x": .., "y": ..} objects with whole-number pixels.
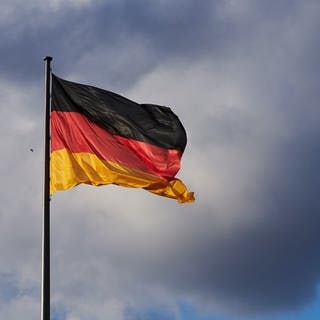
[{"x": 45, "y": 278}]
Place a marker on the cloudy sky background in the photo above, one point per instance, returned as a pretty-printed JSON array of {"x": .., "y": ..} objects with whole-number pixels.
[{"x": 242, "y": 75}]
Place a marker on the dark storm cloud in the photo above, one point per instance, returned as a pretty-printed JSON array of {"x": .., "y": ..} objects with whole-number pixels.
[
  {"x": 184, "y": 29},
  {"x": 169, "y": 29},
  {"x": 265, "y": 255},
  {"x": 271, "y": 262},
  {"x": 68, "y": 33},
  {"x": 174, "y": 27},
  {"x": 267, "y": 262},
  {"x": 34, "y": 34}
]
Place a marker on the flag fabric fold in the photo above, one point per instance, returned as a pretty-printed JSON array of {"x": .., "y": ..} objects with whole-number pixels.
[{"x": 99, "y": 137}]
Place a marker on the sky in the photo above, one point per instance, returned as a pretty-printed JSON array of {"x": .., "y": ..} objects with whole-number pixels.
[{"x": 243, "y": 77}]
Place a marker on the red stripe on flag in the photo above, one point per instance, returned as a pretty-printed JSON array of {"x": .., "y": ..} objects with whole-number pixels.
[{"x": 75, "y": 132}]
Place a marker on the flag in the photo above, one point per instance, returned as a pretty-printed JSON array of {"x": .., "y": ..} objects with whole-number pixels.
[{"x": 99, "y": 137}]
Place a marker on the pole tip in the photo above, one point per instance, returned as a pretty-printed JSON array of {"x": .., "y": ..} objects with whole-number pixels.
[{"x": 47, "y": 58}]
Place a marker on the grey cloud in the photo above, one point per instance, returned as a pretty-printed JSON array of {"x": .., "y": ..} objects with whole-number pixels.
[
  {"x": 244, "y": 80},
  {"x": 186, "y": 30},
  {"x": 267, "y": 259},
  {"x": 169, "y": 30}
]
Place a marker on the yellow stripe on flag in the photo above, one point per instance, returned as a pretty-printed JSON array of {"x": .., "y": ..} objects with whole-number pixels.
[{"x": 70, "y": 169}]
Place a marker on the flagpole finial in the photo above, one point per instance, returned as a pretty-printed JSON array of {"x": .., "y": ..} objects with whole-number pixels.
[{"x": 47, "y": 58}]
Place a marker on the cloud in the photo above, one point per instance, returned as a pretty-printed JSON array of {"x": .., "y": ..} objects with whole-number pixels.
[
  {"x": 255, "y": 194},
  {"x": 243, "y": 78},
  {"x": 20, "y": 227}
]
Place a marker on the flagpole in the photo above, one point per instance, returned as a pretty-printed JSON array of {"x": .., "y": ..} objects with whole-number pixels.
[{"x": 45, "y": 278}]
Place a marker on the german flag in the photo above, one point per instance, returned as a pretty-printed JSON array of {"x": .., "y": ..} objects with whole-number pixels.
[{"x": 99, "y": 137}]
